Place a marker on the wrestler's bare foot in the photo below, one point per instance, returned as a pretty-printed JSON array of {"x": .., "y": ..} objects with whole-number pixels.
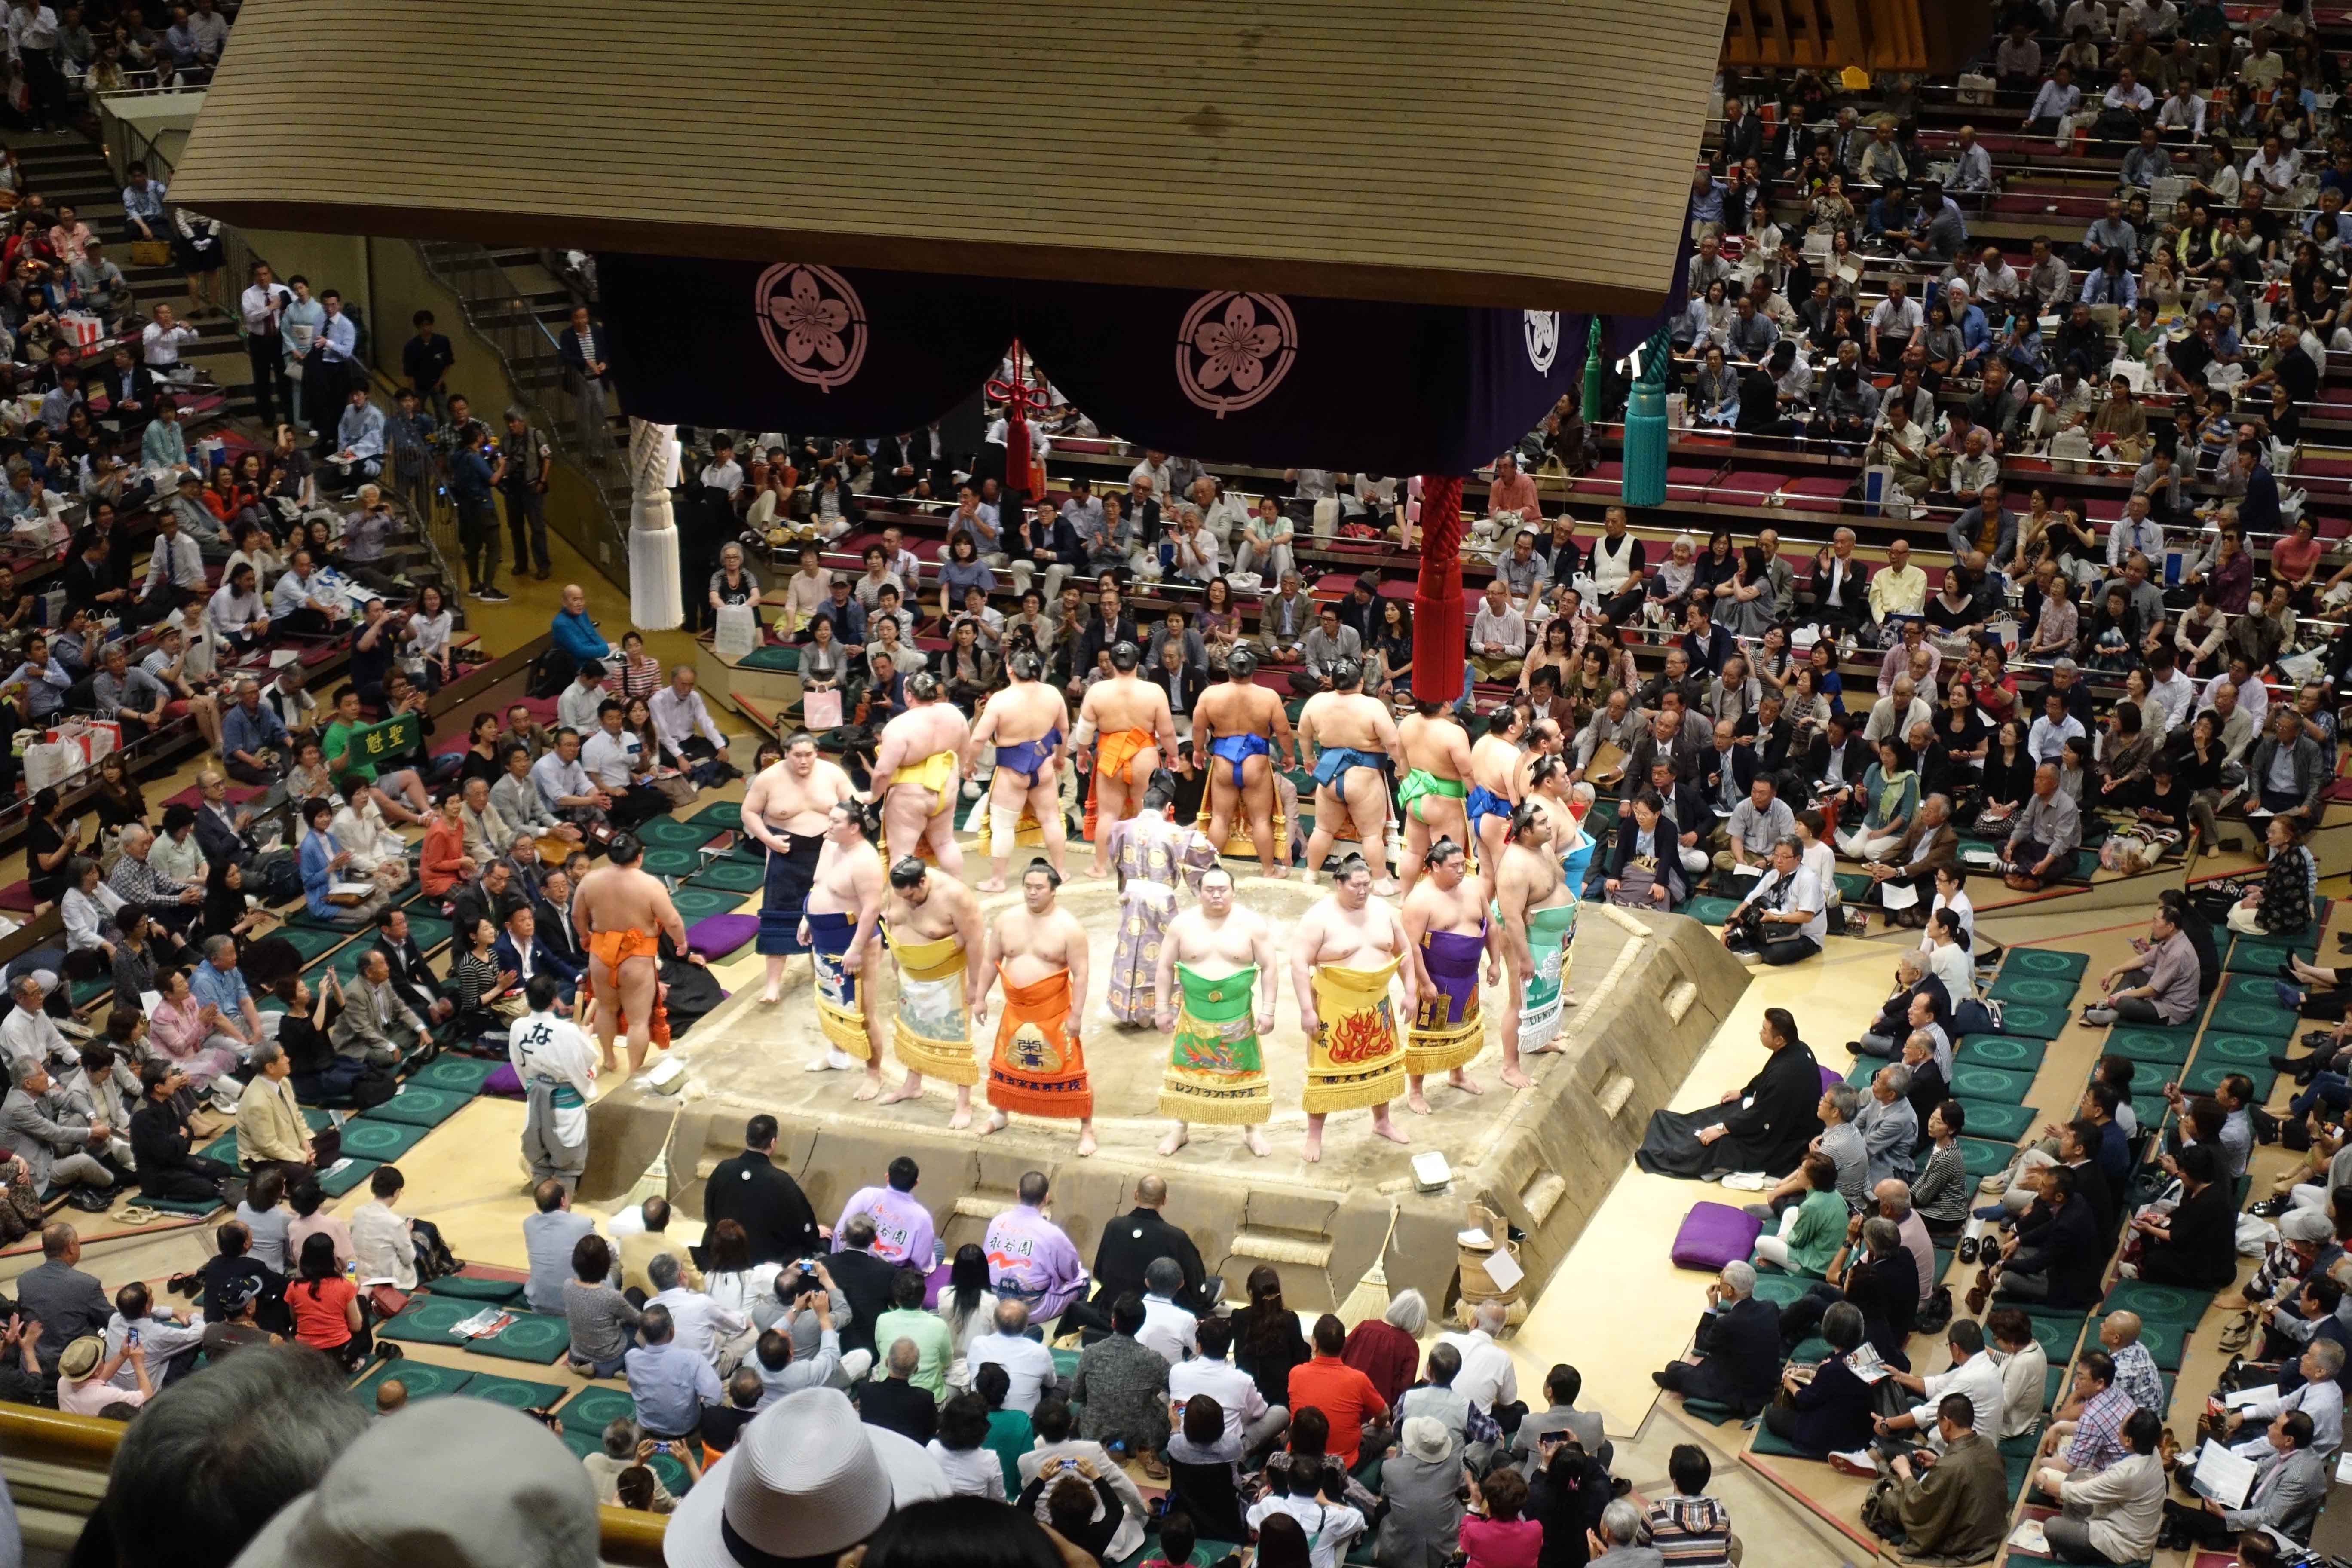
[
  {"x": 1085, "y": 1138},
  {"x": 1384, "y": 1128},
  {"x": 996, "y": 1123},
  {"x": 1414, "y": 1099},
  {"x": 963, "y": 1117},
  {"x": 612, "y": 1063},
  {"x": 993, "y": 885},
  {"x": 870, "y": 1088},
  {"x": 909, "y": 1088},
  {"x": 1386, "y": 887},
  {"x": 1465, "y": 1082},
  {"x": 1176, "y": 1140},
  {"x": 1567, "y": 998},
  {"x": 1254, "y": 1142},
  {"x": 1514, "y": 1078},
  {"x": 1274, "y": 870},
  {"x": 1311, "y": 1151},
  {"x": 770, "y": 997}
]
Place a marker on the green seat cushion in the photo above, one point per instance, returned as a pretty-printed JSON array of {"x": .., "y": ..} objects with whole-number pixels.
[
  {"x": 429, "y": 931},
  {"x": 669, "y": 833},
  {"x": 1766, "y": 1441},
  {"x": 1811, "y": 1350},
  {"x": 1990, "y": 1086},
  {"x": 2165, "y": 1339},
  {"x": 592, "y": 1409},
  {"x": 2261, "y": 988},
  {"x": 344, "y": 962},
  {"x": 85, "y": 992},
  {"x": 2054, "y": 1382},
  {"x": 179, "y": 1205},
  {"x": 1066, "y": 1363},
  {"x": 2246, "y": 1050},
  {"x": 2148, "y": 1110},
  {"x": 1709, "y": 910},
  {"x": 2001, "y": 1051},
  {"x": 2023, "y": 1444},
  {"x": 667, "y": 862},
  {"x": 1782, "y": 1289},
  {"x": 1992, "y": 1120},
  {"x": 312, "y": 943},
  {"x": 514, "y": 1393},
  {"x": 422, "y": 1379},
  {"x": 732, "y": 876},
  {"x": 694, "y": 903},
  {"x": 2263, "y": 955},
  {"x": 2057, "y": 1333},
  {"x": 222, "y": 1148},
  {"x": 1982, "y": 1156},
  {"x": 466, "y": 1287},
  {"x": 1852, "y": 886},
  {"x": 2203, "y": 1077},
  {"x": 2047, "y": 963},
  {"x": 345, "y": 1174},
  {"x": 426, "y": 1320},
  {"x": 1707, "y": 1410},
  {"x": 2164, "y": 1048},
  {"x": 772, "y": 657},
  {"x": 2167, "y": 1303},
  {"x": 2033, "y": 1020},
  {"x": 2036, "y": 988},
  {"x": 541, "y": 1337},
  {"x": 2265, "y": 1019},
  {"x": 373, "y": 1137},
  {"x": 417, "y": 1107},
  {"x": 460, "y": 1075},
  {"x": 1859, "y": 1075},
  {"x": 721, "y": 813}
]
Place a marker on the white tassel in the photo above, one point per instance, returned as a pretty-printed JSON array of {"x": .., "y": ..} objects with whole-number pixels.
[{"x": 656, "y": 602}]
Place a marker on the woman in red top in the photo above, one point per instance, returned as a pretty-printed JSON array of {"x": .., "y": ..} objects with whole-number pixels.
[
  {"x": 1386, "y": 1349},
  {"x": 1500, "y": 1539},
  {"x": 328, "y": 1313},
  {"x": 444, "y": 860},
  {"x": 2294, "y": 561},
  {"x": 1344, "y": 1395}
]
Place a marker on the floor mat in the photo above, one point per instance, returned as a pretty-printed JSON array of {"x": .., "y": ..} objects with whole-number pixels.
[
  {"x": 2000, "y": 1051},
  {"x": 514, "y": 1393},
  {"x": 417, "y": 1107},
  {"x": 1982, "y": 1156},
  {"x": 2203, "y": 1077},
  {"x": 535, "y": 1336},
  {"x": 1991, "y": 1119},
  {"x": 2164, "y": 1048},
  {"x": 2039, "y": 989},
  {"x": 2165, "y": 1340},
  {"x": 2057, "y": 1333},
  {"x": 2170, "y": 1303},
  {"x": 2270, "y": 1022},
  {"x": 669, "y": 833},
  {"x": 2033, "y": 1020},
  {"x": 426, "y": 1320},
  {"x": 2046, "y": 963},
  {"x": 462, "y": 1075},
  {"x": 371, "y": 1139},
  {"x": 423, "y": 1379},
  {"x": 694, "y": 903},
  {"x": 731, "y": 876},
  {"x": 1990, "y": 1085},
  {"x": 345, "y": 1175},
  {"x": 592, "y": 1409},
  {"x": 466, "y": 1287},
  {"x": 2248, "y": 956}
]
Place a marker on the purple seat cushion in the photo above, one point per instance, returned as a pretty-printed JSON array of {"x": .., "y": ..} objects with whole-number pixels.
[
  {"x": 1714, "y": 1235},
  {"x": 503, "y": 1080},
  {"x": 716, "y": 936},
  {"x": 1830, "y": 1078}
]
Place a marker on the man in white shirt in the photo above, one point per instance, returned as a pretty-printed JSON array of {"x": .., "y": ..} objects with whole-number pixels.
[
  {"x": 1167, "y": 1327},
  {"x": 2173, "y": 693},
  {"x": 1498, "y": 634},
  {"x": 176, "y": 565},
  {"x": 1026, "y": 1362},
  {"x": 564, "y": 786},
  {"x": 1894, "y": 321},
  {"x": 1972, "y": 1372},
  {"x": 2127, "y": 93},
  {"x": 260, "y": 306},
  {"x": 1974, "y": 171},
  {"x": 1248, "y": 1416},
  {"x": 1487, "y": 1379},
  {"x": 682, "y": 721},
  {"x": 1196, "y": 547},
  {"x": 29, "y": 1034},
  {"x": 1331, "y": 1528},
  {"x": 723, "y": 473},
  {"x": 162, "y": 338},
  {"x": 2059, "y": 97},
  {"x": 716, "y": 1334},
  {"x": 614, "y": 759},
  {"x": 2183, "y": 112},
  {"x": 164, "y": 1336},
  {"x": 576, "y": 705}
]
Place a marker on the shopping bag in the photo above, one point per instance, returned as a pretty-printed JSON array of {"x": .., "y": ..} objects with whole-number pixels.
[
  {"x": 739, "y": 631},
  {"x": 822, "y": 711},
  {"x": 80, "y": 329}
]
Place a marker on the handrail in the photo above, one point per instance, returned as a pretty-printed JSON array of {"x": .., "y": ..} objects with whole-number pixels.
[{"x": 542, "y": 384}]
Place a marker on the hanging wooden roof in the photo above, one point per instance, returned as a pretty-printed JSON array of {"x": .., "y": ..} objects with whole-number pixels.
[{"x": 1531, "y": 153}]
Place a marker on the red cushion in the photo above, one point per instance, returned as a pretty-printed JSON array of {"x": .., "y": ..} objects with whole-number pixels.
[
  {"x": 17, "y": 896},
  {"x": 1746, "y": 487}
]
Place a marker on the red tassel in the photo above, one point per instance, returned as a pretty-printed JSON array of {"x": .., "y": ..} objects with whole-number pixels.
[{"x": 1439, "y": 642}]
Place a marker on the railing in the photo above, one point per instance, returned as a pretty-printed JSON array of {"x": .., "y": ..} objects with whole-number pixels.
[{"x": 544, "y": 386}]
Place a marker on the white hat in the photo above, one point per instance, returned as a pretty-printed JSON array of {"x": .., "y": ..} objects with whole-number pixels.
[
  {"x": 2305, "y": 1225},
  {"x": 806, "y": 1478},
  {"x": 1425, "y": 1438},
  {"x": 449, "y": 1483}
]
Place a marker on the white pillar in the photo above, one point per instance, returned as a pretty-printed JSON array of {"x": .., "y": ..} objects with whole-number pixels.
[{"x": 656, "y": 601}]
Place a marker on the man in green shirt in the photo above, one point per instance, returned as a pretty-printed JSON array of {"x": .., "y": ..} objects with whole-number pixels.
[{"x": 908, "y": 1319}]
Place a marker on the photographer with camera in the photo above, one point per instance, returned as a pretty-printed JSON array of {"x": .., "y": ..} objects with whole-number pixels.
[{"x": 1781, "y": 921}]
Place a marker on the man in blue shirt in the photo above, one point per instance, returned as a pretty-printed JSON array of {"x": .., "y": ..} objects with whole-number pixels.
[
  {"x": 142, "y": 204},
  {"x": 359, "y": 441},
  {"x": 470, "y": 479},
  {"x": 43, "y": 679},
  {"x": 575, "y": 630},
  {"x": 217, "y": 984},
  {"x": 253, "y": 736},
  {"x": 670, "y": 1382}
]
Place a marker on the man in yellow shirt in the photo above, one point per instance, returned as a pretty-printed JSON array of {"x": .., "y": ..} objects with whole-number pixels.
[{"x": 1898, "y": 589}]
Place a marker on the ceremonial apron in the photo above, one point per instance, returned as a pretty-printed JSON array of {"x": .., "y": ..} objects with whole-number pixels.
[
  {"x": 1355, "y": 1060},
  {"x": 838, "y": 1008},
  {"x": 1540, "y": 1001},
  {"x": 1215, "y": 1072},
  {"x": 933, "y": 1033},
  {"x": 1037, "y": 1067},
  {"x": 1147, "y": 903},
  {"x": 784, "y": 895},
  {"x": 1448, "y": 1029}
]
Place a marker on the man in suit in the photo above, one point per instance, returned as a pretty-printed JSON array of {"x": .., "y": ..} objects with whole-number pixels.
[
  {"x": 2290, "y": 1480},
  {"x": 375, "y": 1024},
  {"x": 1928, "y": 843},
  {"x": 1666, "y": 743},
  {"x": 865, "y": 1280},
  {"x": 64, "y": 1150},
  {"x": 411, "y": 979},
  {"x": 765, "y": 1201},
  {"x": 1130, "y": 1246},
  {"x": 581, "y": 345},
  {"x": 489, "y": 897},
  {"x": 129, "y": 389},
  {"x": 1736, "y": 1359},
  {"x": 895, "y": 1402},
  {"x": 553, "y": 911},
  {"x": 520, "y": 949}
]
